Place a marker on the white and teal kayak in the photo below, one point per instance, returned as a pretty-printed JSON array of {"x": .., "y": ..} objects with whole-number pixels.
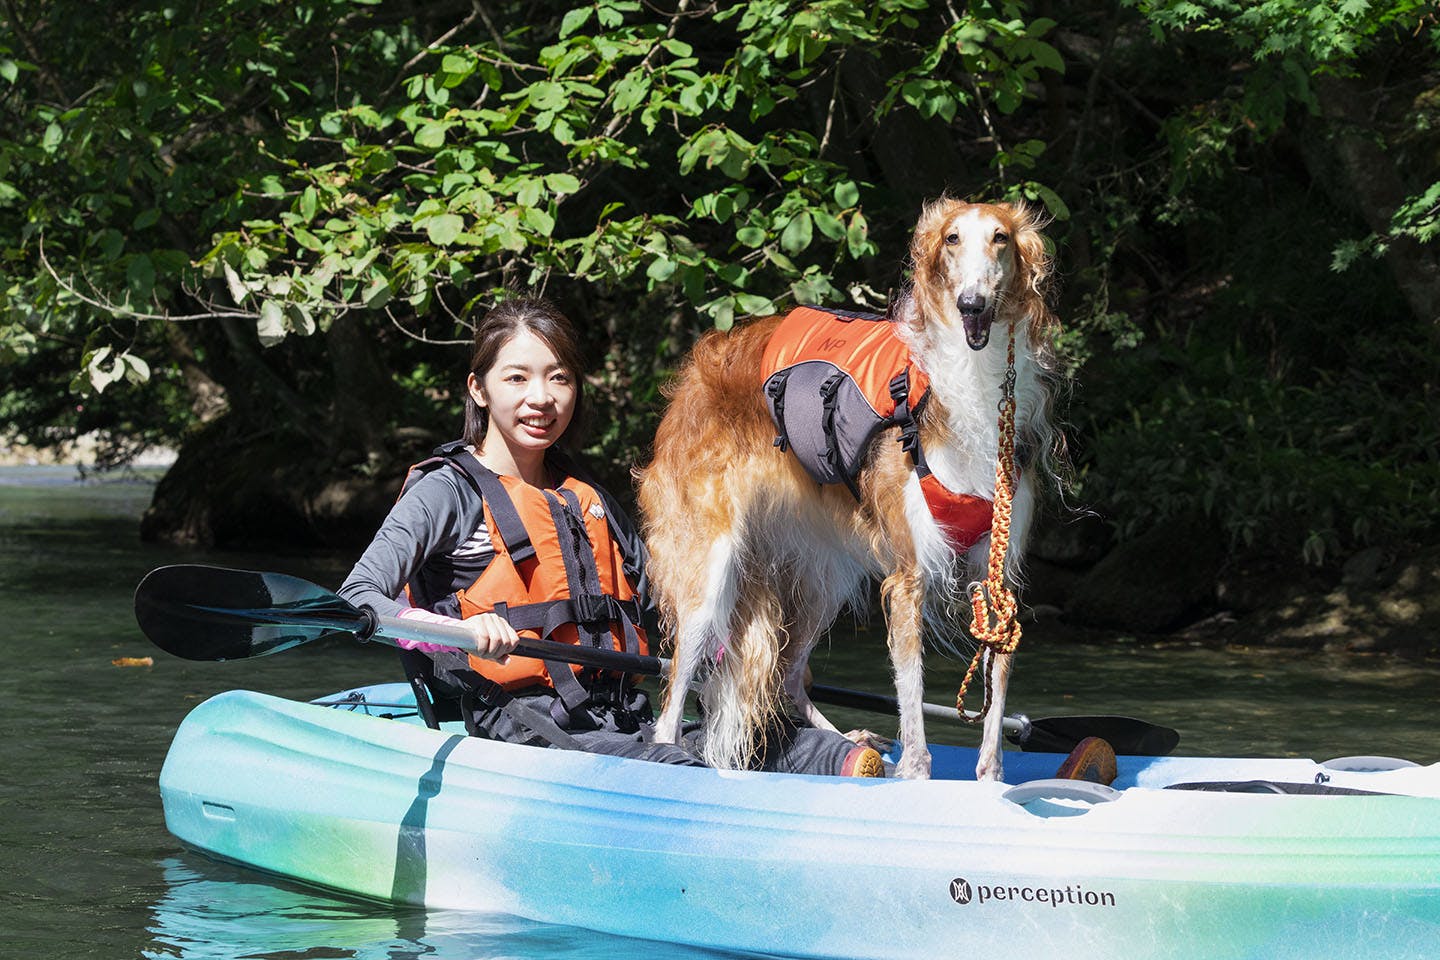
[{"x": 1272, "y": 858}]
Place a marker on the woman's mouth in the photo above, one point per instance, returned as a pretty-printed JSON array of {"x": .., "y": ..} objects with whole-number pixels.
[{"x": 539, "y": 426}]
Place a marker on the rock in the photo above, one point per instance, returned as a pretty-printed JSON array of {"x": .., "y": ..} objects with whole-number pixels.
[
  {"x": 1367, "y": 566},
  {"x": 1398, "y": 612},
  {"x": 1156, "y": 582},
  {"x": 1079, "y": 540}
]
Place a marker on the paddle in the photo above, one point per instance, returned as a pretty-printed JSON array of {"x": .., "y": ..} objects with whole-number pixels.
[
  {"x": 1129, "y": 737},
  {"x": 214, "y": 613}
]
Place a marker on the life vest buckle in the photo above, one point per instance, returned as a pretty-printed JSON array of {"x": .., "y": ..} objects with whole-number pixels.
[{"x": 591, "y": 609}]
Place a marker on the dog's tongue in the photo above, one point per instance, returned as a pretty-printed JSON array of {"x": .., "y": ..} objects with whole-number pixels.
[{"x": 977, "y": 331}]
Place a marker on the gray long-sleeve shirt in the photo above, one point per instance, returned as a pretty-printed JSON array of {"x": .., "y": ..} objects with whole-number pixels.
[{"x": 434, "y": 539}]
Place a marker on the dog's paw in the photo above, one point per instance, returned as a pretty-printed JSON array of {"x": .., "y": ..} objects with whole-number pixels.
[
  {"x": 990, "y": 768},
  {"x": 914, "y": 766},
  {"x": 871, "y": 739}
]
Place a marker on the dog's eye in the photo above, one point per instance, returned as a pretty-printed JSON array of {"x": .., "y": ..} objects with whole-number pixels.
[
  {"x": 952, "y": 239},
  {"x": 1001, "y": 237}
]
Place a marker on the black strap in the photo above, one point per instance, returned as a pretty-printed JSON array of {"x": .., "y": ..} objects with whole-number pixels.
[
  {"x": 494, "y": 695},
  {"x": 775, "y": 390},
  {"x": 509, "y": 527},
  {"x": 829, "y": 398},
  {"x": 627, "y": 536},
  {"x": 846, "y": 315},
  {"x": 907, "y": 418}
]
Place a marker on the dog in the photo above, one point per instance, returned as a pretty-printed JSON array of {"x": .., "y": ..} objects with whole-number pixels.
[{"x": 752, "y": 559}]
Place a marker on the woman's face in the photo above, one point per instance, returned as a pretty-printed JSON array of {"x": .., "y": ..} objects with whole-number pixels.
[{"x": 527, "y": 393}]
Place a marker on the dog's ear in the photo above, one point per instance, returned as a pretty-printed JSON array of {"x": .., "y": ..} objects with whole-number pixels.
[
  {"x": 1033, "y": 261},
  {"x": 925, "y": 246}
]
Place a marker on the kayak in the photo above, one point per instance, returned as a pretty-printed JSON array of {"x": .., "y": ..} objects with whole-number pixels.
[{"x": 1180, "y": 856}]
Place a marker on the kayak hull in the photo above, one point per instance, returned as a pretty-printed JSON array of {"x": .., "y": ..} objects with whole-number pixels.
[{"x": 812, "y": 866}]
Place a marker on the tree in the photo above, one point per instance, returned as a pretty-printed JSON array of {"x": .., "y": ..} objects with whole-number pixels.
[{"x": 205, "y": 191}]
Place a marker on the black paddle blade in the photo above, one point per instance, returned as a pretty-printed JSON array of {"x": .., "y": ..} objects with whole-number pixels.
[
  {"x": 211, "y": 613},
  {"x": 1128, "y": 737}
]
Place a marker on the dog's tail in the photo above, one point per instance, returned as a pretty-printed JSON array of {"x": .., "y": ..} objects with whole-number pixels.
[{"x": 715, "y": 423}]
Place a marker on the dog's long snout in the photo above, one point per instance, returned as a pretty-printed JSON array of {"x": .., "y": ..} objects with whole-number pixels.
[
  {"x": 971, "y": 304},
  {"x": 976, "y": 312}
]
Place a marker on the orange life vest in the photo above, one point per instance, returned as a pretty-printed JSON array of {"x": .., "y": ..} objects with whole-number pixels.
[
  {"x": 558, "y": 573},
  {"x": 833, "y": 379}
]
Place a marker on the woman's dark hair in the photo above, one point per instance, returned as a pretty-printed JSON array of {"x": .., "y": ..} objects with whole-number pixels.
[{"x": 535, "y": 315}]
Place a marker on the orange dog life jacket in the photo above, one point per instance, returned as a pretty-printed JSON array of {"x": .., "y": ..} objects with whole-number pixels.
[
  {"x": 558, "y": 574},
  {"x": 833, "y": 379}
]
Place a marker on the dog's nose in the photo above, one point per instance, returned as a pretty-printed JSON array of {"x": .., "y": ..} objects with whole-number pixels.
[{"x": 970, "y": 304}]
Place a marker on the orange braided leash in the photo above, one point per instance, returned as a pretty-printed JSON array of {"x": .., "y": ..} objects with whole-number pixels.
[{"x": 992, "y": 603}]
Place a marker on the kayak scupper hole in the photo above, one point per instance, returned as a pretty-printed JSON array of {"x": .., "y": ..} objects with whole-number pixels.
[
  {"x": 217, "y": 811},
  {"x": 1059, "y": 798},
  {"x": 1367, "y": 764}
]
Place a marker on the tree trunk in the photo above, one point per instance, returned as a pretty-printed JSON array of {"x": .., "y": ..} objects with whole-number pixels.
[{"x": 1369, "y": 182}]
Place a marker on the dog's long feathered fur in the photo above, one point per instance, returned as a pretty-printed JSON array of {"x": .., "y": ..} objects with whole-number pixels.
[{"x": 751, "y": 560}]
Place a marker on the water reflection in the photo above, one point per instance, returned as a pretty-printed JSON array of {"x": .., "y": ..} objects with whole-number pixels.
[{"x": 215, "y": 910}]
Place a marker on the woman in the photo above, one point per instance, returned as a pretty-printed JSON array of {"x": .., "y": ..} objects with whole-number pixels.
[{"x": 502, "y": 532}]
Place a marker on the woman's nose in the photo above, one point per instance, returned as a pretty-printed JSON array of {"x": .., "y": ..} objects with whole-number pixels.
[{"x": 539, "y": 393}]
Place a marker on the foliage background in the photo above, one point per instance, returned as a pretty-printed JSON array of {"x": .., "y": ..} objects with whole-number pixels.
[{"x": 254, "y": 230}]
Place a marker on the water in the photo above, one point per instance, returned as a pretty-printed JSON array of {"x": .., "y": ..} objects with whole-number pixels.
[{"x": 89, "y": 870}]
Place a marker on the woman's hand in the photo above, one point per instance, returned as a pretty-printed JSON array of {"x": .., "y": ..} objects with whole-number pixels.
[{"x": 494, "y": 637}]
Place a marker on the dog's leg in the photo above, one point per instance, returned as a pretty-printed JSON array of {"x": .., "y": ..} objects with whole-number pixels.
[
  {"x": 795, "y": 677},
  {"x": 700, "y": 630},
  {"x": 903, "y": 592},
  {"x": 991, "y": 765}
]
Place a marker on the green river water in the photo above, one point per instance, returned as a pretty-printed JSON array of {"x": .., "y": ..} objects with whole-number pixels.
[{"x": 90, "y": 871}]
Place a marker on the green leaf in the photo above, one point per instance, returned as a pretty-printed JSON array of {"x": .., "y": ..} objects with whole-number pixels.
[
  {"x": 847, "y": 194},
  {"x": 9, "y": 69},
  {"x": 724, "y": 314},
  {"x": 271, "y": 325},
  {"x": 431, "y": 136},
  {"x": 574, "y": 20},
  {"x": 754, "y": 305},
  {"x": 146, "y": 218},
  {"x": 547, "y": 95},
  {"x": 443, "y": 229},
  {"x": 539, "y": 220},
  {"x": 828, "y": 224},
  {"x": 857, "y": 236},
  {"x": 140, "y": 276},
  {"x": 797, "y": 234},
  {"x": 309, "y": 201},
  {"x": 53, "y": 137},
  {"x": 136, "y": 369},
  {"x": 100, "y": 375},
  {"x": 236, "y": 286},
  {"x": 308, "y": 240},
  {"x": 750, "y": 236},
  {"x": 562, "y": 183},
  {"x": 377, "y": 294}
]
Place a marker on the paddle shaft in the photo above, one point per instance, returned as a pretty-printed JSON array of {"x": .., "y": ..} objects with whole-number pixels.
[{"x": 391, "y": 629}]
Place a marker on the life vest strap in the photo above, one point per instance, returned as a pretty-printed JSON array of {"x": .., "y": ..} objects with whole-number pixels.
[
  {"x": 775, "y": 390},
  {"x": 907, "y": 418},
  {"x": 829, "y": 392},
  {"x": 509, "y": 527}
]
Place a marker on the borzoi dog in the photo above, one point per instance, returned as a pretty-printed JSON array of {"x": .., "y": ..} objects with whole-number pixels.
[{"x": 752, "y": 558}]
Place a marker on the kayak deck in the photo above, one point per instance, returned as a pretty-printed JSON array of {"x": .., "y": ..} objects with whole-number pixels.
[{"x": 816, "y": 866}]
